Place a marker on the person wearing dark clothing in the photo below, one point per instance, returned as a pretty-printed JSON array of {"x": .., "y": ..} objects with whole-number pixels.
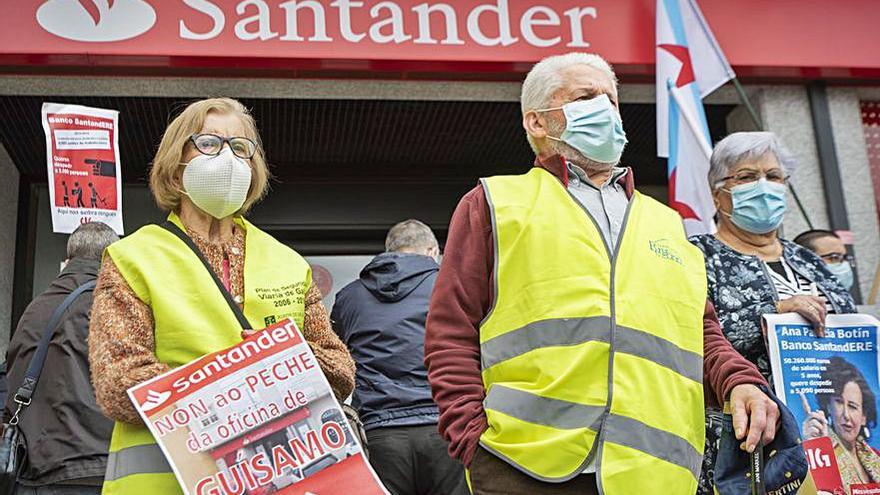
[
  {"x": 381, "y": 317},
  {"x": 78, "y": 192},
  {"x": 94, "y": 197},
  {"x": 66, "y": 197},
  {"x": 67, "y": 436}
]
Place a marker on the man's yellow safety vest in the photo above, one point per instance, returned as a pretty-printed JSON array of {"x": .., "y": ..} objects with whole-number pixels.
[
  {"x": 192, "y": 319},
  {"x": 590, "y": 354}
]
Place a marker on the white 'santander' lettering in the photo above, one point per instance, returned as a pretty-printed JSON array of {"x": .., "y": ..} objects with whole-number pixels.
[
  {"x": 263, "y": 342},
  {"x": 541, "y": 26}
]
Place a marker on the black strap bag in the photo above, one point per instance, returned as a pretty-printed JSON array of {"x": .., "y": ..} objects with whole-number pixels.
[
  {"x": 13, "y": 445},
  {"x": 351, "y": 414}
]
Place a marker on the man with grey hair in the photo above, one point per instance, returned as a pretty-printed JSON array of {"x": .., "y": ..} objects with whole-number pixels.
[
  {"x": 569, "y": 335},
  {"x": 67, "y": 435},
  {"x": 381, "y": 318}
]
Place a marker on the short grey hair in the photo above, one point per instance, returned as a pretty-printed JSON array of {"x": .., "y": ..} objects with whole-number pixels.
[
  {"x": 742, "y": 147},
  {"x": 410, "y": 235},
  {"x": 544, "y": 79},
  {"x": 89, "y": 240}
]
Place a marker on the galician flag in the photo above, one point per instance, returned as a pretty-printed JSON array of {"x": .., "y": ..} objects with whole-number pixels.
[{"x": 690, "y": 65}]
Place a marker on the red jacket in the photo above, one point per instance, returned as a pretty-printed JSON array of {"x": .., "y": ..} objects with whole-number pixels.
[{"x": 461, "y": 299}]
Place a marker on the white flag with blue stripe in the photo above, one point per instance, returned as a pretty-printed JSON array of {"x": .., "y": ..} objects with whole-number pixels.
[{"x": 690, "y": 65}]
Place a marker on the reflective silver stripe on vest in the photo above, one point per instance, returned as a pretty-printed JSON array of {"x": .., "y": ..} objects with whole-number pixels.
[
  {"x": 575, "y": 331},
  {"x": 544, "y": 333},
  {"x": 642, "y": 344},
  {"x": 532, "y": 408},
  {"x": 140, "y": 459},
  {"x": 652, "y": 441}
]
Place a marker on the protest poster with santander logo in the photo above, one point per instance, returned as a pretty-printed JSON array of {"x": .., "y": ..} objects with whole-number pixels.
[
  {"x": 256, "y": 418},
  {"x": 82, "y": 158}
]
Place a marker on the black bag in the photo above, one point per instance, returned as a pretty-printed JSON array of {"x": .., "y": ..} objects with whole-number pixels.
[
  {"x": 351, "y": 415},
  {"x": 13, "y": 446},
  {"x": 357, "y": 426}
]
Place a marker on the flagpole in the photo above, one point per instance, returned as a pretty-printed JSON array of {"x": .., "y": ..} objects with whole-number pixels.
[
  {"x": 757, "y": 121},
  {"x": 745, "y": 99}
]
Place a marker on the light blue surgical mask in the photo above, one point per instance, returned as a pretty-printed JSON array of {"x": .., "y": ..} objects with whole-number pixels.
[
  {"x": 593, "y": 127},
  {"x": 758, "y": 207},
  {"x": 843, "y": 272}
]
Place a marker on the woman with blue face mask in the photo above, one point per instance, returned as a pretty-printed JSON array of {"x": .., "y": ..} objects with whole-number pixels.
[{"x": 751, "y": 271}]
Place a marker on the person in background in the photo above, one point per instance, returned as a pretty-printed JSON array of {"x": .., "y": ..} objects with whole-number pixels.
[
  {"x": 851, "y": 409},
  {"x": 381, "y": 318},
  {"x": 751, "y": 271},
  {"x": 157, "y": 306},
  {"x": 561, "y": 358},
  {"x": 67, "y": 435},
  {"x": 831, "y": 249}
]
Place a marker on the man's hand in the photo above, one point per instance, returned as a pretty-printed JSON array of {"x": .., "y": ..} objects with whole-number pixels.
[{"x": 754, "y": 416}]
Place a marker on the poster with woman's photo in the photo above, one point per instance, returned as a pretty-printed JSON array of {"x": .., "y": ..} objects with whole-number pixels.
[{"x": 831, "y": 386}]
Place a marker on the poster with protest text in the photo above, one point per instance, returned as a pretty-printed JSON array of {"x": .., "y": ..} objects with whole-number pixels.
[
  {"x": 82, "y": 158},
  {"x": 258, "y": 418},
  {"x": 831, "y": 386}
]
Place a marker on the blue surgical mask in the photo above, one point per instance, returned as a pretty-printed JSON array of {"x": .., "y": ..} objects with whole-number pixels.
[
  {"x": 758, "y": 207},
  {"x": 843, "y": 272},
  {"x": 593, "y": 127}
]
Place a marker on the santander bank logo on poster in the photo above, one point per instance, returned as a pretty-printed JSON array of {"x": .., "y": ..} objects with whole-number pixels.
[
  {"x": 96, "y": 20},
  {"x": 155, "y": 399}
]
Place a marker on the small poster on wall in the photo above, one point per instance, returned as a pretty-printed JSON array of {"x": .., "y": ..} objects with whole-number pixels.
[{"x": 82, "y": 158}]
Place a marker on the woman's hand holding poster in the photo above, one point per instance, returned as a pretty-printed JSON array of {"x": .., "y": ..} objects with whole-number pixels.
[
  {"x": 831, "y": 386},
  {"x": 256, "y": 418}
]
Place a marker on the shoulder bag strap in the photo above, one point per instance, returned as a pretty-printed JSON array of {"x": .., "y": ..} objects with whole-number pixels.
[
  {"x": 174, "y": 229},
  {"x": 32, "y": 375}
]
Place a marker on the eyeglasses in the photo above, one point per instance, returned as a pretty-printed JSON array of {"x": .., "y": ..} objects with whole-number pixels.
[
  {"x": 746, "y": 176},
  {"x": 835, "y": 258},
  {"x": 212, "y": 145}
]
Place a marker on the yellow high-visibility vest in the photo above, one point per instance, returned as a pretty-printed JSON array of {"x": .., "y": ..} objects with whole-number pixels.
[
  {"x": 192, "y": 319},
  {"x": 590, "y": 354}
]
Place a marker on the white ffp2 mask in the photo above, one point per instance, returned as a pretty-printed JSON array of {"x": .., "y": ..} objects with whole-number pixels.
[{"x": 219, "y": 184}]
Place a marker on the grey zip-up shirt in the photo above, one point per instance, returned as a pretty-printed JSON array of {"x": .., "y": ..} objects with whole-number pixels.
[{"x": 607, "y": 204}]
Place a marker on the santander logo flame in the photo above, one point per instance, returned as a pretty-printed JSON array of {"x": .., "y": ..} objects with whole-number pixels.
[
  {"x": 96, "y": 20},
  {"x": 155, "y": 399}
]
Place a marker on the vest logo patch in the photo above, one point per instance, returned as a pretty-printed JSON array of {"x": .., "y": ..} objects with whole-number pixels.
[
  {"x": 660, "y": 248},
  {"x": 269, "y": 320}
]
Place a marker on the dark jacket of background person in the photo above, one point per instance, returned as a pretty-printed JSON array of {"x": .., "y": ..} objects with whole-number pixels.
[
  {"x": 742, "y": 292},
  {"x": 67, "y": 435},
  {"x": 381, "y": 318}
]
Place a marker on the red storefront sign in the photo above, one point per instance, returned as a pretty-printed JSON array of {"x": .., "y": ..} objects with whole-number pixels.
[{"x": 788, "y": 38}]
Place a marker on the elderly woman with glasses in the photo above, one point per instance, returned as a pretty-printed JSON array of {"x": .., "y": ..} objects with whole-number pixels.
[
  {"x": 198, "y": 283},
  {"x": 751, "y": 271}
]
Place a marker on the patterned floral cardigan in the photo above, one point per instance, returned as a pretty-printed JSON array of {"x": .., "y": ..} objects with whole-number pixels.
[{"x": 741, "y": 290}]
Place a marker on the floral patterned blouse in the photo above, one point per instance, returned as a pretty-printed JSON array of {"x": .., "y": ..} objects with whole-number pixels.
[{"x": 742, "y": 291}]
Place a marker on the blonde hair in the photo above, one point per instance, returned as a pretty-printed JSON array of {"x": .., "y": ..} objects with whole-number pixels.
[{"x": 165, "y": 174}]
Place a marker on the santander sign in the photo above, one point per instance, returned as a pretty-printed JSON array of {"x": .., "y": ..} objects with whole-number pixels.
[
  {"x": 453, "y": 23},
  {"x": 96, "y": 20}
]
